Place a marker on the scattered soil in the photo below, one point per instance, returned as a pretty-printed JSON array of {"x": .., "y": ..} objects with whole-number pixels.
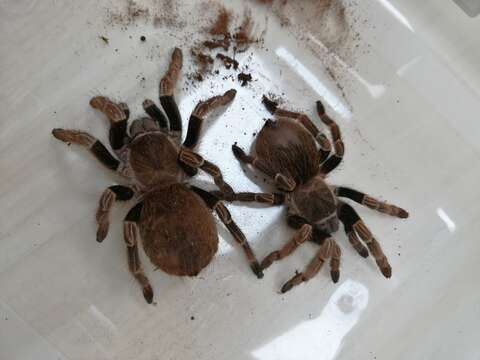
[
  {"x": 244, "y": 78},
  {"x": 130, "y": 13},
  {"x": 228, "y": 62},
  {"x": 203, "y": 62},
  {"x": 327, "y": 27},
  {"x": 160, "y": 12},
  {"x": 338, "y": 84},
  {"x": 221, "y": 24},
  {"x": 168, "y": 15},
  {"x": 220, "y": 31},
  {"x": 243, "y": 35},
  {"x": 220, "y": 36},
  {"x": 276, "y": 99},
  {"x": 214, "y": 44}
]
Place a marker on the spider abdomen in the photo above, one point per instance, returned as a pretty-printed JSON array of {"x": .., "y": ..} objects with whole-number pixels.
[
  {"x": 178, "y": 231},
  {"x": 288, "y": 148}
]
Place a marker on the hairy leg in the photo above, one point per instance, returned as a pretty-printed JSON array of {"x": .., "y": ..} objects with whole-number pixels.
[
  {"x": 167, "y": 88},
  {"x": 333, "y": 161},
  {"x": 130, "y": 231},
  {"x": 302, "y": 235},
  {"x": 156, "y": 114},
  {"x": 263, "y": 198},
  {"x": 196, "y": 161},
  {"x": 109, "y": 196},
  {"x": 370, "y": 202},
  {"x": 118, "y": 115},
  {"x": 350, "y": 216},
  {"x": 202, "y": 109},
  {"x": 214, "y": 203},
  {"x": 329, "y": 249},
  {"x": 283, "y": 182},
  {"x": 87, "y": 141}
]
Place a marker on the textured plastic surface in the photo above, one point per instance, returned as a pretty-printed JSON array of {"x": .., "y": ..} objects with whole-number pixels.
[{"x": 409, "y": 116}]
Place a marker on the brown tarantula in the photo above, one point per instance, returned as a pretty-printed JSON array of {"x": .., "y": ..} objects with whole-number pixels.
[
  {"x": 286, "y": 151},
  {"x": 177, "y": 228}
]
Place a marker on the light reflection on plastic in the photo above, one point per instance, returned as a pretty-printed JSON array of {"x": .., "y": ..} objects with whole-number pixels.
[
  {"x": 406, "y": 67},
  {"x": 320, "y": 338},
  {"x": 313, "y": 82},
  {"x": 446, "y": 219},
  {"x": 375, "y": 90},
  {"x": 106, "y": 323},
  {"x": 393, "y": 10}
]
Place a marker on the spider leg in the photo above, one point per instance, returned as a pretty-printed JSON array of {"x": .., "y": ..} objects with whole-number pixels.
[
  {"x": 352, "y": 221},
  {"x": 333, "y": 161},
  {"x": 335, "y": 263},
  {"x": 196, "y": 161},
  {"x": 296, "y": 221},
  {"x": 370, "y": 202},
  {"x": 109, "y": 196},
  {"x": 329, "y": 249},
  {"x": 263, "y": 198},
  {"x": 215, "y": 204},
  {"x": 302, "y": 235},
  {"x": 348, "y": 223},
  {"x": 88, "y": 141},
  {"x": 321, "y": 138},
  {"x": 196, "y": 119},
  {"x": 125, "y": 110},
  {"x": 283, "y": 182},
  {"x": 156, "y": 114},
  {"x": 167, "y": 87},
  {"x": 117, "y": 115},
  {"x": 202, "y": 109},
  {"x": 130, "y": 231}
]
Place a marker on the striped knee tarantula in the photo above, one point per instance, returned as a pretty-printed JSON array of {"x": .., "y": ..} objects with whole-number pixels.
[
  {"x": 177, "y": 228},
  {"x": 286, "y": 151}
]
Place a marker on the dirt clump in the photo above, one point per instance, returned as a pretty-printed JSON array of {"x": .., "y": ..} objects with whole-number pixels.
[
  {"x": 219, "y": 36},
  {"x": 244, "y": 78},
  {"x": 228, "y": 62}
]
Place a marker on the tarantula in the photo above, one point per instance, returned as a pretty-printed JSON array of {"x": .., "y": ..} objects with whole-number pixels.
[
  {"x": 286, "y": 151},
  {"x": 177, "y": 228}
]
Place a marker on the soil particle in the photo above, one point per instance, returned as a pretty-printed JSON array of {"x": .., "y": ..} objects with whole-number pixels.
[
  {"x": 228, "y": 61},
  {"x": 244, "y": 78}
]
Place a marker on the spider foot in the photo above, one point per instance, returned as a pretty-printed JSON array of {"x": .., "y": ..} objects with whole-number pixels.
[{"x": 257, "y": 269}]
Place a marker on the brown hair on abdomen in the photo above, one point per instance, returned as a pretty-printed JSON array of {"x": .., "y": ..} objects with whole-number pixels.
[
  {"x": 178, "y": 231},
  {"x": 288, "y": 148}
]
